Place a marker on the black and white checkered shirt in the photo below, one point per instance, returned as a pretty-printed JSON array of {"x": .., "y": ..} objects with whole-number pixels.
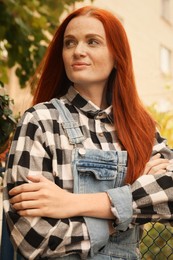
[{"x": 41, "y": 146}]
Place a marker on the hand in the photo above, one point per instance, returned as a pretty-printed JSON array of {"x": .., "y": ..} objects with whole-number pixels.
[
  {"x": 41, "y": 198},
  {"x": 169, "y": 168},
  {"x": 156, "y": 165}
]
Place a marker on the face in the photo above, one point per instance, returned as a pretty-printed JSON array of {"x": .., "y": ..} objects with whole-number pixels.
[{"x": 86, "y": 56}]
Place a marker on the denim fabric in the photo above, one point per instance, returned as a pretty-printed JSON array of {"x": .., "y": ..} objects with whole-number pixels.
[
  {"x": 121, "y": 198},
  {"x": 71, "y": 127},
  {"x": 122, "y": 246},
  {"x": 102, "y": 171}
]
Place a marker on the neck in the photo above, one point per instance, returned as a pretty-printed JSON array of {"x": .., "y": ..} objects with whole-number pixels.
[{"x": 95, "y": 94}]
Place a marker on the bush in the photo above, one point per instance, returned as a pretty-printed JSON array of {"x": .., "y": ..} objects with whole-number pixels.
[{"x": 7, "y": 121}]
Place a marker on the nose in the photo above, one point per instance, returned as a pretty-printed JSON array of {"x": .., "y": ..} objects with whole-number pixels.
[{"x": 80, "y": 49}]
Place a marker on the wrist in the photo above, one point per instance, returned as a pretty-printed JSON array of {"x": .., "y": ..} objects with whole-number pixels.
[{"x": 92, "y": 205}]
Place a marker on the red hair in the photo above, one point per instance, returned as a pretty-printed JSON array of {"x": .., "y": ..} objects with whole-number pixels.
[{"x": 134, "y": 126}]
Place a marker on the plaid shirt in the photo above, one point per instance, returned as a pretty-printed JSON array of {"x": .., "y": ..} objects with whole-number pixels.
[{"x": 41, "y": 146}]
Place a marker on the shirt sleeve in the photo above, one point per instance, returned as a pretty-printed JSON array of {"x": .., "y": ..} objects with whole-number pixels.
[
  {"x": 149, "y": 198},
  {"x": 153, "y": 198},
  {"x": 36, "y": 237},
  {"x": 161, "y": 146},
  {"x": 153, "y": 194}
]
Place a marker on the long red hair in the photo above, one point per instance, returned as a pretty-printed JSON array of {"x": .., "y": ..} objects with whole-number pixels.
[{"x": 134, "y": 126}]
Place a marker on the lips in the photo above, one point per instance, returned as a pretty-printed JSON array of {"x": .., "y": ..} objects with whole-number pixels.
[{"x": 80, "y": 64}]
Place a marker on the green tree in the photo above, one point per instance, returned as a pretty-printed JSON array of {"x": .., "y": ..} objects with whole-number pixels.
[{"x": 24, "y": 29}]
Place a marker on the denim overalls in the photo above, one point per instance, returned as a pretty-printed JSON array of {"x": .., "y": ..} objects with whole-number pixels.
[{"x": 99, "y": 171}]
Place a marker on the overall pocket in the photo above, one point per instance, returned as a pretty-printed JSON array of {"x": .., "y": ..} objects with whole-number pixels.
[{"x": 97, "y": 170}]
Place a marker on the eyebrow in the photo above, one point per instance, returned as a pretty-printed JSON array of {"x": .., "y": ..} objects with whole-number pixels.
[{"x": 87, "y": 36}]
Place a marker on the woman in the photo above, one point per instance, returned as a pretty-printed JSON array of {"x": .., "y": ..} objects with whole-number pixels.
[{"x": 67, "y": 193}]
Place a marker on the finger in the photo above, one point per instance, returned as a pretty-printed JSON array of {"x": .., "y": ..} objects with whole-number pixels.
[
  {"x": 156, "y": 156},
  {"x": 170, "y": 167},
  {"x": 156, "y": 168},
  {"x": 30, "y": 213},
  {"x": 156, "y": 164},
  {"x": 25, "y": 196},
  {"x": 37, "y": 178},
  {"x": 27, "y": 187},
  {"x": 23, "y": 205},
  {"x": 161, "y": 171},
  {"x": 34, "y": 177}
]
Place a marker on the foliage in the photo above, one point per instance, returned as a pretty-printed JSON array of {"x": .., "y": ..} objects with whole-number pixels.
[
  {"x": 165, "y": 122},
  {"x": 7, "y": 121},
  {"x": 25, "y": 27}
]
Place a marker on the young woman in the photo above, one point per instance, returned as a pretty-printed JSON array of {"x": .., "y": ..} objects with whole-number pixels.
[{"x": 73, "y": 188}]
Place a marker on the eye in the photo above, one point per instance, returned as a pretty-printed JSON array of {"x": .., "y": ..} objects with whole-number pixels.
[
  {"x": 69, "y": 43},
  {"x": 93, "y": 42}
]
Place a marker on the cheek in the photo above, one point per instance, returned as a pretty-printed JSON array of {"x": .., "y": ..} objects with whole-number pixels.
[
  {"x": 65, "y": 58},
  {"x": 106, "y": 60},
  {"x": 66, "y": 66},
  {"x": 106, "y": 66}
]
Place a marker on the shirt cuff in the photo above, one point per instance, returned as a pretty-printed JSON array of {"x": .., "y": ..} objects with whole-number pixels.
[
  {"x": 152, "y": 198},
  {"x": 98, "y": 230},
  {"x": 121, "y": 200}
]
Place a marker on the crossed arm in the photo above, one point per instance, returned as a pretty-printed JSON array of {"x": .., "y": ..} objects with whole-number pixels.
[
  {"x": 40, "y": 202},
  {"x": 41, "y": 209},
  {"x": 43, "y": 198}
]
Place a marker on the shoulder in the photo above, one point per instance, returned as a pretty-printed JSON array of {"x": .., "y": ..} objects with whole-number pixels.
[{"x": 42, "y": 111}]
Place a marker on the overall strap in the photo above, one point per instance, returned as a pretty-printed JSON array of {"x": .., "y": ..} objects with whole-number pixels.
[
  {"x": 122, "y": 158},
  {"x": 70, "y": 126}
]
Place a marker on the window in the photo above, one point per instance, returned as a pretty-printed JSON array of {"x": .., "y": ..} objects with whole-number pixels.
[
  {"x": 165, "y": 60},
  {"x": 166, "y": 10}
]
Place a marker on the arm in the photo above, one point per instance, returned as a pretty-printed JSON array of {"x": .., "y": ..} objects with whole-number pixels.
[
  {"x": 30, "y": 154},
  {"x": 41, "y": 197},
  {"x": 153, "y": 198},
  {"x": 46, "y": 196},
  {"x": 92, "y": 205},
  {"x": 152, "y": 195}
]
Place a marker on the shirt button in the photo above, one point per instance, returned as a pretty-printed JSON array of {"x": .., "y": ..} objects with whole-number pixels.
[
  {"x": 100, "y": 134},
  {"x": 82, "y": 151}
]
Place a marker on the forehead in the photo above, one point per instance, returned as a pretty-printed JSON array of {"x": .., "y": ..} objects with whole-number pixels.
[{"x": 85, "y": 25}]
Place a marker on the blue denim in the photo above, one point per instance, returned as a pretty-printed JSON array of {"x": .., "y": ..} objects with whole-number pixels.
[{"x": 102, "y": 171}]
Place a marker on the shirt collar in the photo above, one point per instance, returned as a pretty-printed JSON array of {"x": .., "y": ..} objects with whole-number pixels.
[{"x": 88, "y": 107}]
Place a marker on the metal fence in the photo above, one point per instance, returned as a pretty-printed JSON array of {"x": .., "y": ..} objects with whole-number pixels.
[{"x": 157, "y": 242}]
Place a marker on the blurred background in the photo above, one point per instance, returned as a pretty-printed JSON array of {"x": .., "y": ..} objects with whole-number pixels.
[{"x": 26, "y": 28}]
